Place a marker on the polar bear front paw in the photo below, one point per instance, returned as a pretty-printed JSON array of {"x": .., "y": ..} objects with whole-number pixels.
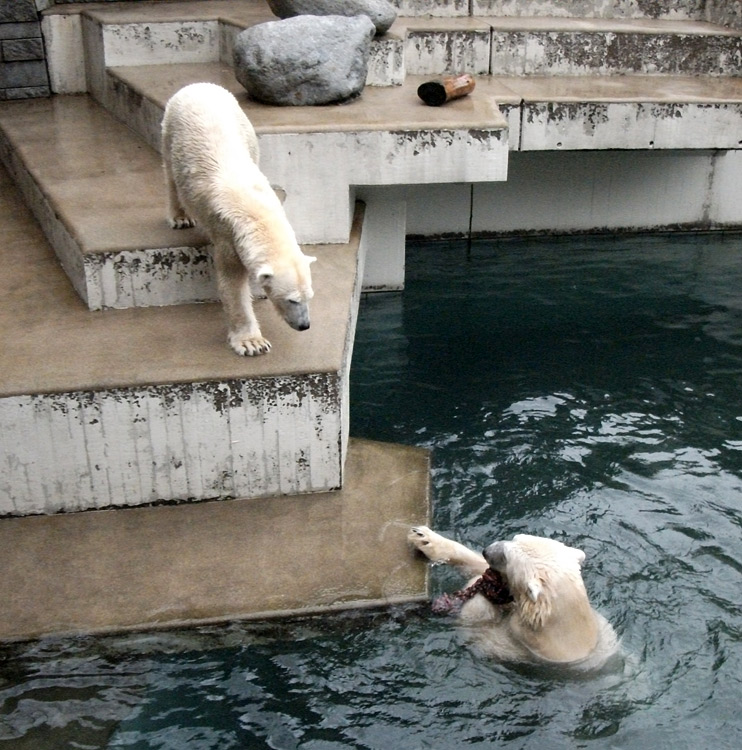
[
  {"x": 249, "y": 346},
  {"x": 182, "y": 221},
  {"x": 434, "y": 546}
]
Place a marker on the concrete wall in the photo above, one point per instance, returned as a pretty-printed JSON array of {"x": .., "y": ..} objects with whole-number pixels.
[
  {"x": 194, "y": 441},
  {"x": 725, "y": 12},
  {"x": 689, "y": 9},
  {"x": 586, "y": 191}
]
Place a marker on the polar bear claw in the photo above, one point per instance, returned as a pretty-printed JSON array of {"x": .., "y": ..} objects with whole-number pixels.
[{"x": 249, "y": 346}]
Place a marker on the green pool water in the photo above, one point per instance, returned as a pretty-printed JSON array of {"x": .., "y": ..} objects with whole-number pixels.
[{"x": 588, "y": 389}]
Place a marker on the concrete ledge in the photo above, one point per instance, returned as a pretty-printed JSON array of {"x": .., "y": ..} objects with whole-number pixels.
[
  {"x": 680, "y": 9},
  {"x": 168, "y": 566},
  {"x": 137, "y": 406},
  {"x": 99, "y": 192},
  {"x": 619, "y": 112},
  {"x": 121, "y": 34}
]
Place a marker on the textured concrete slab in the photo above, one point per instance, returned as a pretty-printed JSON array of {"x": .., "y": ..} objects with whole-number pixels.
[
  {"x": 393, "y": 108},
  {"x": 144, "y": 405},
  {"x": 232, "y": 11},
  {"x": 635, "y": 88},
  {"x": 680, "y": 9},
  {"x": 167, "y": 566},
  {"x": 52, "y": 344},
  {"x": 628, "y": 112}
]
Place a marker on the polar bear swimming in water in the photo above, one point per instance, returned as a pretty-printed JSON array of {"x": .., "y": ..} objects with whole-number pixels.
[
  {"x": 210, "y": 157},
  {"x": 542, "y": 613}
]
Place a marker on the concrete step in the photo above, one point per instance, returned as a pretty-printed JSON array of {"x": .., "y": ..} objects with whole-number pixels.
[
  {"x": 574, "y": 113},
  {"x": 714, "y": 11},
  {"x": 542, "y": 112},
  {"x": 132, "y": 407},
  {"x": 699, "y": 10},
  {"x": 545, "y": 46},
  {"x": 98, "y": 190},
  {"x": 174, "y": 566},
  {"x": 85, "y": 40}
]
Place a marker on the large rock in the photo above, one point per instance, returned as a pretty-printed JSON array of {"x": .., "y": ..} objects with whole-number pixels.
[
  {"x": 381, "y": 12},
  {"x": 304, "y": 60}
]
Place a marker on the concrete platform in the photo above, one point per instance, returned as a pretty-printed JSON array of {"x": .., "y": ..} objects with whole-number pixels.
[
  {"x": 98, "y": 189},
  {"x": 588, "y": 112},
  {"x": 99, "y": 193},
  {"x": 130, "y": 407},
  {"x": 167, "y": 566},
  {"x": 52, "y": 344}
]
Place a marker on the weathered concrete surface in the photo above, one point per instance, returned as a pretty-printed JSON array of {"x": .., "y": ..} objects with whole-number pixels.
[
  {"x": 75, "y": 162},
  {"x": 151, "y": 31},
  {"x": 171, "y": 442},
  {"x": 566, "y": 47},
  {"x": 634, "y": 112},
  {"x": 447, "y": 9},
  {"x": 542, "y": 45},
  {"x": 134, "y": 406},
  {"x": 552, "y": 192},
  {"x": 681, "y": 9},
  {"x": 445, "y": 45},
  {"x": 168, "y": 566},
  {"x": 724, "y": 12},
  {"x": 99, "y": 193}
]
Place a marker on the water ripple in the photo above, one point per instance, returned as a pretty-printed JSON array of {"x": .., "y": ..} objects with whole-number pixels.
[{"x": 585, "y": 389}]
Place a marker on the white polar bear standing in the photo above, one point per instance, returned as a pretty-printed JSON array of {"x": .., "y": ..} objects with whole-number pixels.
[
  {"x": 210, "y": 156},
  {"x": 549, "y": 619}
]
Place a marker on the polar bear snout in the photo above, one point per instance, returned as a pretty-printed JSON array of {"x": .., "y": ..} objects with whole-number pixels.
[
  {"x": 295, "y": 313},
  {"x": 495, "y": 556}
]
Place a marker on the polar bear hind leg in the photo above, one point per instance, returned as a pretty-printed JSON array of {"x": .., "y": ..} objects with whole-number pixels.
[{"x": 177, "y": 215}]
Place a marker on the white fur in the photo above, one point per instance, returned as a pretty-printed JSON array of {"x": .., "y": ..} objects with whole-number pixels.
[
  {"x": 550, "y": 620},
  {"x": 210, "y": 157}
]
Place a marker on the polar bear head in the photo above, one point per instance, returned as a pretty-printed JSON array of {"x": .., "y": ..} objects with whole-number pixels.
[
  {"x": 552, "y": 613},
  {"x": 288, "y": 285}
]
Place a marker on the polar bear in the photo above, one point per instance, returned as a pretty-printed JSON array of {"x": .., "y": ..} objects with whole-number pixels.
[
  {"x": 543, "y": 614},
  {"x": 210, "y": 157}
]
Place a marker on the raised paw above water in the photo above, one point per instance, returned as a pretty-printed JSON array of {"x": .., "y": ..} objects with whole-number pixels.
[{"x": 432, "y": 545}]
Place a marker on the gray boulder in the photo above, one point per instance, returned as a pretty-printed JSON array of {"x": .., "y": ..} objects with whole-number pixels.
[
  {"x": 381, "y": 12},
  {"x": 304, "y": 60}
]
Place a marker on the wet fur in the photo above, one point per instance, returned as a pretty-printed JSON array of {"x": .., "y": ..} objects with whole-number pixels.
[{"x": 550, "y": 620}]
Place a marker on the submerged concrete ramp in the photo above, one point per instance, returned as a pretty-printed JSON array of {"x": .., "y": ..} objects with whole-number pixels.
[{"x": 176, "y": 565}]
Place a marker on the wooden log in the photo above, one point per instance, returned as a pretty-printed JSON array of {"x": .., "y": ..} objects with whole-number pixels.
[{"x": 442, "y": 90}]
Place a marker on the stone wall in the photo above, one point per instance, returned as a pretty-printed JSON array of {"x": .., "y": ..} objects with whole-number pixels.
[
  {"x": 724, "y": 12},
  {"x": 23, "y": 73}
]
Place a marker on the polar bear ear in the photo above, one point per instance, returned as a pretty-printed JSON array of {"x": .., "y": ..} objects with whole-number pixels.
[
  {"x": 264, "y": 273},
  {"x": 534, "y": 590},
  {"x": 578, "y": 554}
]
